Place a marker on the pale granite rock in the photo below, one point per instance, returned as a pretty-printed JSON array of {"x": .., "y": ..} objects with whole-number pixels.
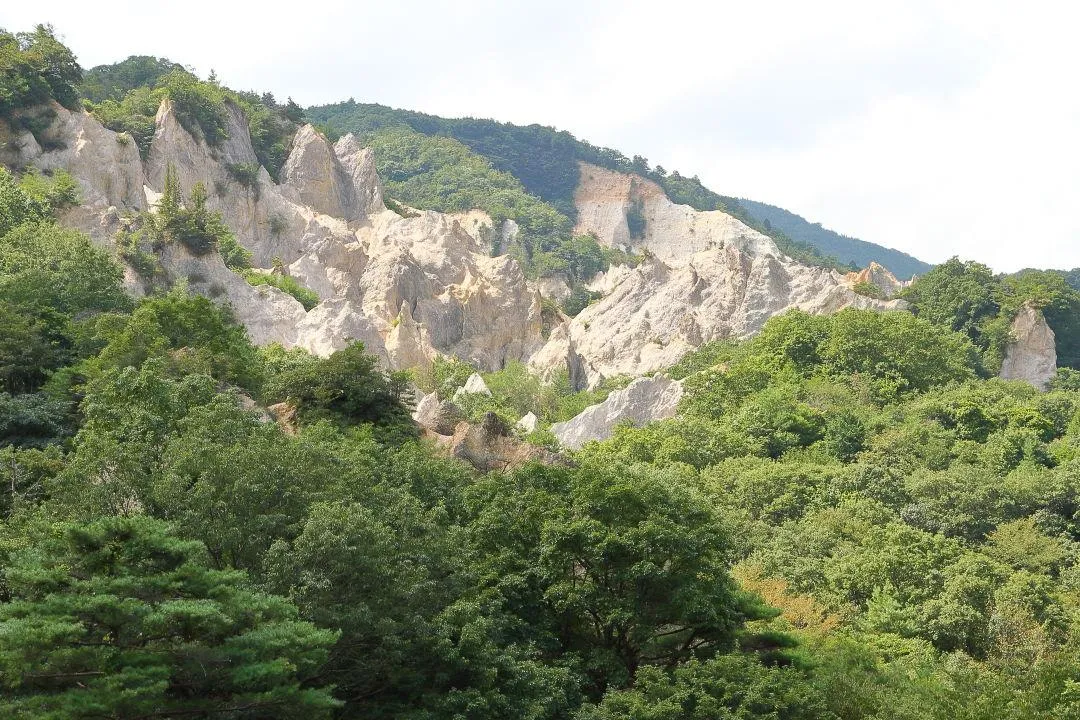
[
  {"x": 643, "y": 401},
  {"x": 1031, "y": 354}
]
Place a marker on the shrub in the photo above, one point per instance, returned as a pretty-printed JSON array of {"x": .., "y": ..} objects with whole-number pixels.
[
  {"x": 285, "y": 283},
  {"x": 57, "y": 189},
  {"x": 247, "y": 174},
  {"x": 868, "y": 289},
  {"x": 346, "y": 387}
]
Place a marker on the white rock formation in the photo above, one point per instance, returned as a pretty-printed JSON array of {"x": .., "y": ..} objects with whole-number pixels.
[
  {"x": 878, "y": 276},
  {"x": 1031, "y": 354},
  {"x": 643, "y": 401},
  {"x": 475, "y": 385},
  {"x": 359, "y": 162},
  {"x": 706, "y": 277},
  {"x": 412, "y": 288},
  {"x": 528, "y": 422},
  {"x": 426, "y": 410}
]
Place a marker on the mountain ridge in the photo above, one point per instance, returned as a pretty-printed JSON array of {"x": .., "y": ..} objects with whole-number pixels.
[{"x": 543, "y": 159}]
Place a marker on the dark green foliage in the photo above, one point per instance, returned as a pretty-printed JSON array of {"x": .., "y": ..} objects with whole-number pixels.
[
  {"x": 346, "y": 387},
  {"x": 635, "y": 220},
  {"x": 285, "y": 283},
  {"x": 619, "y": 568},
  {"x": 114, "y": 82},
  {"x": 732, "y": 688},
  {"x": 35, "y": 68},
  {"x": 843, "y": 248},
  {"x": 120, "y": 618},
  {"x": 33, "y": 420}
]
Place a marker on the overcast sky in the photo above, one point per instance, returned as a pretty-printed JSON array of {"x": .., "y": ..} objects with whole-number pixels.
[{"x": 938, "y": 128}]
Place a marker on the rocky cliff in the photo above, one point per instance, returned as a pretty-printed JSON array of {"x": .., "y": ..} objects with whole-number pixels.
[
  {"x": 704, "y": 276},
  {"x": 1031, "y": 354},
  {"x": 415, "y": 286}
]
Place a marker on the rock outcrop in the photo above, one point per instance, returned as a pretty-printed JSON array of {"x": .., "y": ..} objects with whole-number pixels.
[
  {"x": 1031, "y": 354},
  {"x": 705, "y": 276},
  {"x": 474, "y": 385},
  {"x": 412, "y": 288},
  {"x": 879, "y": 277},
  {"x": 314, "y": 176},
  {"x": 490, "y": 446},
  {"x": 643, "y": 401}
]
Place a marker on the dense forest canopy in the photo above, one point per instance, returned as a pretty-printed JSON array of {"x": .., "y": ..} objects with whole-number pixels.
[{"x": 851, "y": 518}]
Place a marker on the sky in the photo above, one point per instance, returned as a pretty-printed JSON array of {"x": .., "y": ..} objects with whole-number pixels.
[{"x": 937, "y": 128}]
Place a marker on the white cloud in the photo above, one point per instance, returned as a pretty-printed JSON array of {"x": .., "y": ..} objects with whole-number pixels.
[{"x": 936, "y": 128}]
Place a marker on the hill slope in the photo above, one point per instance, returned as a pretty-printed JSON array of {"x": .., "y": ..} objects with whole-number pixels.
[
  {"x": 545, "y": 161},
  {"x": 842, "y": 247}
]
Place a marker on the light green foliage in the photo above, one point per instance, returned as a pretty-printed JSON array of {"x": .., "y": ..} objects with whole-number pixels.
[
  {"x": 189, "y": 333},
  {"x": 60, "y": 269},
  {"x": 17, "y": 206},
  {"x": 114, "y": 82},
  {"x": 285, "y": 283},
  {"x": 120, "y": 618},
  {"x": 869, "y": 289},
  {"x": 125, "y": 96},
  {"x": 133, "y": 114},
  {"x": 57, "y": 190},
  {"x": 51, "y": 281}
]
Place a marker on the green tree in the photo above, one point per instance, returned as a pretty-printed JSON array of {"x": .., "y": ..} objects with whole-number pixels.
[
  {"x": 346, "y": 387},
  {"x": 729, "y": 688},
  {"x": 621, "y": 568},
  {"x": 121, "y": 619}
]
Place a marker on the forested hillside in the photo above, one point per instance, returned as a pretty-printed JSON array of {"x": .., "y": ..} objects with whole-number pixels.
[
  {"x": 850, "y": 518},
  {"x": 545, "y": 161},
  {"x": 542, "y": 159},
  {"x": 846, "y": 249}
]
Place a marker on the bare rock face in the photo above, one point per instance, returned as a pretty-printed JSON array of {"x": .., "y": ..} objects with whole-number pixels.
[
  {"x": 359, "y": 163},
  {"x": 1031, "y": 355},
  {"x": 528, "y": 423},
  {"x": 643, "y": 401},
  {"x": 268, "y": 314},
  {"x": 475, "y": 385},
  {"x": 489, "y": 447},
  {"x": 705, "y": 276},
  {"x": 413, "y": 288},
  {"x": 878, "y": 276},
  {"x": 314, "y": 176}
]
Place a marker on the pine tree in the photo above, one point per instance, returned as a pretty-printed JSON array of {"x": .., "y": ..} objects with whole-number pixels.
[{"x": 122, "y": 619}]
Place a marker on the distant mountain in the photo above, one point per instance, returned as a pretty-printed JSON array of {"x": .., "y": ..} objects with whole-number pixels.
[{"x": 843, "y": 248}]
